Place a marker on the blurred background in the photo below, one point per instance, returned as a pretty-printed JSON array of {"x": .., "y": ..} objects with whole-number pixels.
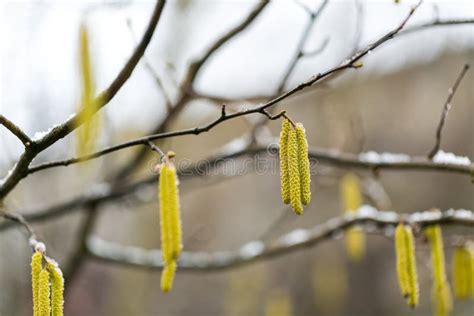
[{"x": 393, "y": 103}]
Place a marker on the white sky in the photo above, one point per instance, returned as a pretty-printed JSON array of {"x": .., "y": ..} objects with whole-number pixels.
[{"x": 38, "y": 50}]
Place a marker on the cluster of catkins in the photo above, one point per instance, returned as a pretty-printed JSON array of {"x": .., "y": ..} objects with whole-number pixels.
[
  {"x": 294, "y": 166},
  {"x": 47, "y": 284},
  {"x": 462, "y": 265},
  {"x": 170, "y": 221}
]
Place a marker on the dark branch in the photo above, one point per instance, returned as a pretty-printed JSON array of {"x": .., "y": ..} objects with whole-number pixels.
[
  {"x": 21, "y": 168},
  {"x": 15, "y": 130},
  {"x": 313, "y": 17},
  {"x": 444, "y": 113},
  {"x": 188, "y": 82},
  {"x": 220, "y": 119},
  {"x": 436, "y": 23}
]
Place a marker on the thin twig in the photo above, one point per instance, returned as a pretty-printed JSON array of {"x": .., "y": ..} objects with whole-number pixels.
[
  {"x": 444, "y": 113},
  {"x": 156, "y": 149},
  {"x": 257, "y": 250},
  {"x": 313, "y": 17},
  {"x": 19, "y": 219},
  {"x": 21, "y": 168},
  {"x": 186, "y": 87},
  {"x": 17, "y": 131},
  {"x": 152, "y": 72}
]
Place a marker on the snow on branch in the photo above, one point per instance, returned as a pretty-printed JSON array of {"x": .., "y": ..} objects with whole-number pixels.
[{"x": 367, "y": 216}]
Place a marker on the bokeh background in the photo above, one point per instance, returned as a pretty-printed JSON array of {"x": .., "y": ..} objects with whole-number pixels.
[{"x": 391, "y": 104}]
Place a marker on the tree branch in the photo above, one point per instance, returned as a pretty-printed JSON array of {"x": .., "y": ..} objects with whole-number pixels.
[
  {"x": 446, "y": 108},
  {"x": 436, "y": 23},
  {"x": 187, "y": 89},
  {"x": 256, "y": 250},
  {"x": 313, "y": 17},
  {"x": 21, "y": 168},
  {"x": 105, "y": 193},
  {"x": 15, "y": 130}
]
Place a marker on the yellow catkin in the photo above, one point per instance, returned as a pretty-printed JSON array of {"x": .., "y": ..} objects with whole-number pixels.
[
  {"x": 171, "y": 235},
  {"x": 44, "y": 303},
  {"x": 413, "y": 295},
  {"x": 36, "y": 266},
  {"x": 304, "y": 166},
  {"x": 284, "y": 173},
  {"x": 57, "y": 288},
  {"x": 406, "y": 264},
  {"x": 166, "y": 241},
  {"x": 351, "y": 199},
  {"x": 294, "y": 172},
  {"x": 441, "y": 292},
  {"x": 174, "y": 210},
  {"x": 89, "y": 104},
  {"x": 461, "y": 267},
  {"x": 167, "y": 276},
  {"x": 470, "y": 248},
  {"x": 351, "y": 196},
  {"x": 354, "y": 238},
  {"x": 402, "y": 260}
]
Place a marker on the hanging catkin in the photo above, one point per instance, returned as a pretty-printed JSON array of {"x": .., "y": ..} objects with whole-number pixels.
[
  {"x": 167, "y": 276},
  {"x": 89, "y": 105},
  {"x": 44, "y": 307},
  {"x": 351, "y": 199},
  {"x": 57, "y": 288},
  {"x": 303, "y": 161},
  {"x": 295, "y": 177},
  {"x": 441, "y": 292},
  {"x": 462, "y": 272},
  {"x": 351, "y": 195},
  {"x": 36, "y": 266},
  {"x": 170, "y": 222},
  {"x": 406, "y": 264},
  {"x": 294, "y": 172},
  {"x": 284, "y": 172}
]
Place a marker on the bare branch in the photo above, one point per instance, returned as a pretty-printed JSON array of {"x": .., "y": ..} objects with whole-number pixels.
[
  {"x": 187, "y": 84},
  {"x": 15, "y": 130},
  {"x": 256, "y": 250},
  {"x": 105, "y": 193},
  {"x": 436, "y": 23},
  {"x": 105, "y": 96},
  {"x": 313, "y": 17},
  {"x": 21, "y": 168},
  {"x": 152, "y": 72},
  {"x": 446, "y": 108},
  {"x": 19, "y": 219}
]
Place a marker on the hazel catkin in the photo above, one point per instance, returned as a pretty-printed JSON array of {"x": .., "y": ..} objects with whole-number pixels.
[
  {"x": 295, "y": 179},
  {"x": 351, "y": 199},
  {"x": 304, "y": 167},
  {"x": 170, "y": 222},
  {"x": 167, "y": 276},
  {"x": 294, "y": 172},
  {"x": 284, "y": 173},
  {"x": 441, "y": 292},
  {"x": 44, "y": 303},
  {"x": 406, "y": 264},
  {"x": 36, "y": 266},
  {"x": 57, "y": 288}
]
